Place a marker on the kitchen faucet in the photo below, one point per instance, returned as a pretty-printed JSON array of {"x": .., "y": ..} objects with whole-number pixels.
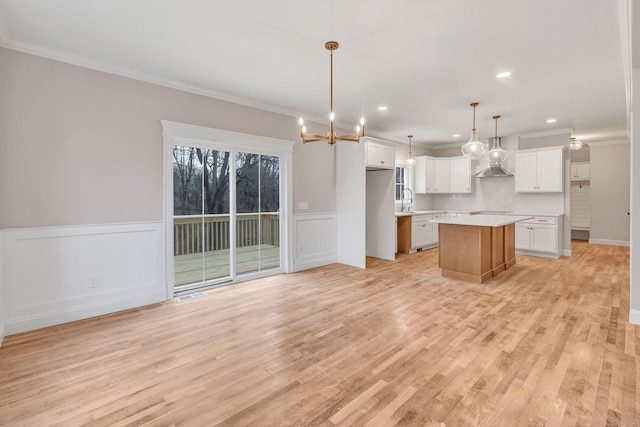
[{"x": 402, "y": 198}]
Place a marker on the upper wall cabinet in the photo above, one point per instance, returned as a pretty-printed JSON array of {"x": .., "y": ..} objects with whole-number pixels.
[
  {"x": 580, "y": 171},
  {"x": 460, "y": 175},
  {"x": 539, "y": 171},
  {"x": 442, "y": 175},
  {"x": 380, "y": 156}
]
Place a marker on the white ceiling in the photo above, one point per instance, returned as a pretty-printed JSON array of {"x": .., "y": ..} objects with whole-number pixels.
[{"x": 424, "y": 59}]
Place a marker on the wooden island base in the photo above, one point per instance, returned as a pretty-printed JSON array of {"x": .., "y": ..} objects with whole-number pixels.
[{"x": 476, "y": 253}]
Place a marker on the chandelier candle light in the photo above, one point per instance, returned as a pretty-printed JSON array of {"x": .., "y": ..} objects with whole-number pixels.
[
  {"x": 410, "y": 161},
  {"x": 474, "y": 149},
  {"x": 331, "y": 136}
]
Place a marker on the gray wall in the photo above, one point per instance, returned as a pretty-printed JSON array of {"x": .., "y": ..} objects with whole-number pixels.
[
  {"x": 610, "y": 197},
  {"x": 79, "y": 146}
]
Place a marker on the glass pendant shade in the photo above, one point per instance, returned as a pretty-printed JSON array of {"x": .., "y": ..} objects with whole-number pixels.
[
  {"x": 410, "y": 160},
  {"x": 575, "y": 144},
  {"x": 474, "y": 149},
  {"x": 496, "y": 155}
]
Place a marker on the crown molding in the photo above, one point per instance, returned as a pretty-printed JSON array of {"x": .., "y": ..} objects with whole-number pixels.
[
  {"x": 607, "y": 143},
  {"x": 546, "y": 133},
  {"x": 105, "y": 67}
]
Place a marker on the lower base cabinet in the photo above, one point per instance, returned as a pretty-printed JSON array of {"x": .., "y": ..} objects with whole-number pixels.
[
  {"x": 539, "y": 236},
  {"x": 416, "y": 232}
]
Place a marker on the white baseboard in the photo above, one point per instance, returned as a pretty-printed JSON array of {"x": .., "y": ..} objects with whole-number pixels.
[
  {"x": 608, "y": 242},
  {"x": 78, "y": 313},
  {"x": 634, "y": 317},
  {"x": 53, "y": 275},
  {"x": 539, "y": 254},
  {"x": 566, "y": 252}
]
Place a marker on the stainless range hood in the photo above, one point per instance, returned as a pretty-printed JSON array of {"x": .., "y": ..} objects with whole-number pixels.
[
  {"x": 493, "y": 171},
  {"x": 496, "y": 156}
]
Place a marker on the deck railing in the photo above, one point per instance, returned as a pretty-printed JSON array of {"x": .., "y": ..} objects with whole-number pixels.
[{"x": 196, "y": 233}]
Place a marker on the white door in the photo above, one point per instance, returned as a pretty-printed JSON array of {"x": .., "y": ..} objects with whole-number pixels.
[
  {"x": 460, "y": 175},
  {"x": 543, "y": 238},
  {"x": 550, "y": 171},
  {"x": 442, "y": 178},
  {"x": 430, "y": 175},
  {"x": 526, "y": 172},
  {"x": 523, "y": 236}
]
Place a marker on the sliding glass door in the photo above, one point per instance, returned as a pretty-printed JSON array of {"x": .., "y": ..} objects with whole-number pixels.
[
  {"x": 201, "y": 201},
  {"x": 258, "y": 212},
  {"x": 214, "y": 243}
]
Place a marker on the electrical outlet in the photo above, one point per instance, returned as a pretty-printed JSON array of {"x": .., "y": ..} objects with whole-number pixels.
[{"x": 94, "y": 281}]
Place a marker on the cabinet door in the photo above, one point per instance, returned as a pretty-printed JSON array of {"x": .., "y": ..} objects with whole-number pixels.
[
  {"x": 430, "y": 175},
  {"x": 581, "y": 171},
  {"x": 543, "y": 238},
  {"x": 526, "y": 172},
  {"x": 420, "y": 175},
  {"x": 442, "y": 176},
  {"x": 434, "y": 230},
  {"x": 380, "y": 156},
  {"x": 549, "y": 171},
  {"x": 421, "y": 228},
  {"x": 460, "y": 172},
  {"x": 523, "y": 236}
]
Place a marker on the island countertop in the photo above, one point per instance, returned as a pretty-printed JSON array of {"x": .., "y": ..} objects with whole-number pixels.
[{"x": 483, "y": 220}]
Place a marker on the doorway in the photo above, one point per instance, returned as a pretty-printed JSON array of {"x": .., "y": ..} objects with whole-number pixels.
[{"x": 224, "y": 204}]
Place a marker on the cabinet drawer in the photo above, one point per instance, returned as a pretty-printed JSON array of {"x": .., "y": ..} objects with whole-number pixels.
[
  {"x": 418, "y": 219},
  {"x": 541, "y": 220}
]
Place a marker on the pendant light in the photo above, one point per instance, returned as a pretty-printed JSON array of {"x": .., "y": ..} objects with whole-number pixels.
[
  {"x": 496, "y": 155},
  {"x": 474, "y": 149},
  {"x": 575, "y": 144},
  {"x": 410, "y": 161}
]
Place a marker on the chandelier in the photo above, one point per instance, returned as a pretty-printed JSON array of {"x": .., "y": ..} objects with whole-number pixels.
[
  {"x": 331, "y": 136},
  {"x": 474, "y": 149}
]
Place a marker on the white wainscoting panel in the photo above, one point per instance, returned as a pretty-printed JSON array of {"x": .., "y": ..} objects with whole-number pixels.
[
  {"x": 54, "y": 275},
  {"x": 314, "y": 238}
]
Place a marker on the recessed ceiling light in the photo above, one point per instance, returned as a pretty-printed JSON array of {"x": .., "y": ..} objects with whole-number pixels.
[
  {"x": 551, "y": 120},
  {"x": 456, "y": 135},
  {"x": 503, "y": 74},
  {"x": 382, "y": 108}
]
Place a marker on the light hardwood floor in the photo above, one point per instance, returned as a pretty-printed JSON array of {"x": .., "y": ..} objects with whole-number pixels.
[{"x": 546, "y": 343}]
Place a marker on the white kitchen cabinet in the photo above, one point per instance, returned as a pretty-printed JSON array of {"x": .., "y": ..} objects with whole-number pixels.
[
  {"x": 435, "y": 175},
  {"x": 434, "y": 231},
  {"x": 580, "y": 171},
  {"x": 380, "y": 156},
  {"x": 421, "y": 231},
  {"x": 442, "y": 178},
  {"x": 460, "y": 173},
  {"x": 540, "y": 235},
  {"x": 539, "y": 171}
]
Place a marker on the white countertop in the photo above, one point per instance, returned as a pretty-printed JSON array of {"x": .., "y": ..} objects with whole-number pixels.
[
  {"x": 483, "y": 220},
  {"x": 410, "y": 213}
]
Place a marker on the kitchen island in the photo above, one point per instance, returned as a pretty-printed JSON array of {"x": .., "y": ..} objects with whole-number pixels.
[{"x": 477, "y": 247}]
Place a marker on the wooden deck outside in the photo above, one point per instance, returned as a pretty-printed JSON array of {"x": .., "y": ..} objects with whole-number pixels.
[{"x": 188, "y": 268}]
